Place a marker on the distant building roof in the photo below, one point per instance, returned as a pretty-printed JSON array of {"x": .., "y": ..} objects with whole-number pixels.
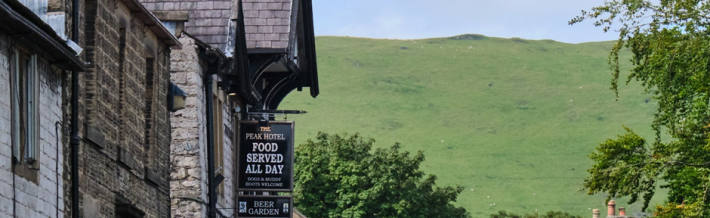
[
  {"x": 268, "y": 23},
  {"x": 207, "y": 20}
]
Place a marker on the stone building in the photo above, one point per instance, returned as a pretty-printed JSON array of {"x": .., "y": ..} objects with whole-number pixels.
[
  {"x": 123, "y": 121},
  {"x": 34, "y": 57},
  {"x": 188, "y": 152},
  {"x": 238, "y": 56}
]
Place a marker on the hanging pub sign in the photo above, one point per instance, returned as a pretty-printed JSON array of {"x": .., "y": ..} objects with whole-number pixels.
[
  {"x": 265, "y": 206},
  {"x": 265, "y": 156}
]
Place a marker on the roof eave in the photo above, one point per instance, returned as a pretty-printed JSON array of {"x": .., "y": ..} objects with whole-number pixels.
[
  {"x": 19, "y": 20},
  {"x": 311, "y": 46},
  {"x": 153, "y": 23}
]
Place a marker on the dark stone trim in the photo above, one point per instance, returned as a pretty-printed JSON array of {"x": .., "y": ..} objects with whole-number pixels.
[
  {"x": 126, "y": 159},
  {"x": 125, "y": 208},
  {"x": 152, "y": 177},
  {"x": 95, "y": 136}
]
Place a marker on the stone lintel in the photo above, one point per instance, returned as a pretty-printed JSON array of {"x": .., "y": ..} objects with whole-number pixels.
[
  {"x": 152, "y": 177},
  {"x": 126, "y": 158},
  {"x": 95, "y": 136},
  {"x": 171, "y": 15}
]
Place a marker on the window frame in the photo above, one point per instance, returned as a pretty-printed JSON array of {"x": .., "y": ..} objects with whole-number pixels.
[
  {"x": 25, "y": 105},
  {"x": 218, "y": 127}
]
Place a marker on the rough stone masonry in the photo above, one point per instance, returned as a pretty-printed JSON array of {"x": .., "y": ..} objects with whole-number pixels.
[{"x": 124, "y": 121}]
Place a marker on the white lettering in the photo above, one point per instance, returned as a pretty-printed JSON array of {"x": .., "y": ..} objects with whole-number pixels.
[
  {"x": 267, "y": 147},
  {"x": 264, "y": 204},
  {"x": 274, "y": 169},
  {"x": 262, "y": 211},
  {"x": 264, "y": 158},
  {"x": 253, "y": 168}
]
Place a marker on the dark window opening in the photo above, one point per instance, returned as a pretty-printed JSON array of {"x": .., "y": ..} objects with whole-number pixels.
[
  {"x": 121, "y": 82},
  {"x": 149, "y": 100}
]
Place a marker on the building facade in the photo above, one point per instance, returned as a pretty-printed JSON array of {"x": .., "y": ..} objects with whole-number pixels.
[
  {"x": 34, "y": 57},
  {"x": 188, "y": 184},
  {"x": 134, "y": 158},
  {"x": 238, "y": 56},
  {"x": 123, "y": 165}
]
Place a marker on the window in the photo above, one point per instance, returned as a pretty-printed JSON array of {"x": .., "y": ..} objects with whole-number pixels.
[
  {"x": 149, "y": 118},
  {"x": 121, "y": 82},
  {"x": 123, "y": 209},
  {"x": 25, "y": 115},
  {"x": 218, "y": 140}
]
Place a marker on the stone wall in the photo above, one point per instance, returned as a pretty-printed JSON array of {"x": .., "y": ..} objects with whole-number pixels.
[
  {"x": 40, "y": 199},
  {"x": 187, "y": 149},
  {"x": 124, "y": 122},
  {"x": 188, "y": 185},
  {"x": 227, "y": 200}
]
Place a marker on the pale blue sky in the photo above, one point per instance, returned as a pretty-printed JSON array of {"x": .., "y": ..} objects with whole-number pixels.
[{"x": 413, "y": 19}]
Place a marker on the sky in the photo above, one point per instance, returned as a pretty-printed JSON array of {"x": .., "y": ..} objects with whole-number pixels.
[{"x": 415, "y": 19}]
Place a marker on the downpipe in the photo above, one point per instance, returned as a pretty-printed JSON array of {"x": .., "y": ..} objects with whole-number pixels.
[{"x": 74, "y": 134}]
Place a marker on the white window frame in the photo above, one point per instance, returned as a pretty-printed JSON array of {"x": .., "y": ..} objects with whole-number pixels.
[{"x": 25, "y": 108}]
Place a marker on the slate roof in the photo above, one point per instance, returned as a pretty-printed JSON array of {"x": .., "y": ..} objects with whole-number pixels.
[
  {"x": 208, "y": 20},
  {"x": 267, "y": 23}
]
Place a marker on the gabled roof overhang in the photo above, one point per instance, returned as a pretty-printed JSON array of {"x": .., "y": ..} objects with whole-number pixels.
[
  {"x": 239, "y": 76},
  {"x": 275, "y": 72},
  {"x": 310, "y": 42}
]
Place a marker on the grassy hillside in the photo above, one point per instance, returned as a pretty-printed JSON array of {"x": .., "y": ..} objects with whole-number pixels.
[{"x": 511, "y": 120}]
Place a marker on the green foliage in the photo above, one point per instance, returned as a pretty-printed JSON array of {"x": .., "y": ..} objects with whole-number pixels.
[
  {"x": 670, "y": 44},
  {"x": 673, "y": 210},
  {"x": 339, "y": 177},
  {"x": 549, "y": 214},
  {"x": 490, "y": 114}
]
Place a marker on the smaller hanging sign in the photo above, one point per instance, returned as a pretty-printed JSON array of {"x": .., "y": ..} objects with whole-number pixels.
[{"x": 265, "y": 206}]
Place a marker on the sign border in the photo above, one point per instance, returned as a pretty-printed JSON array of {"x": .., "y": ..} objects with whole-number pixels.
[
  {"x": 291, "y": 151},
  {"x": 290, "y": 202}
]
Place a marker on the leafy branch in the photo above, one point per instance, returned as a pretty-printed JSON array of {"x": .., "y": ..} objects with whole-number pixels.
[{"x": 669, "y": 43}]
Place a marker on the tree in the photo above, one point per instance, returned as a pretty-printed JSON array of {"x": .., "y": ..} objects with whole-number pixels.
[
  {"x": 670, "y": 46},
  {"x": 339, "y": 177}
]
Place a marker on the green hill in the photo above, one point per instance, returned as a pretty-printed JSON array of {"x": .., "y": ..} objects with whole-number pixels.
[{"x": 511, "y": 119}]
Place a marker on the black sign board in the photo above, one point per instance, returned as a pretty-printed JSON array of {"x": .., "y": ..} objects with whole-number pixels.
[
  {"x": 265, "y": 156},
  {"x": 264, "y": 206}
]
